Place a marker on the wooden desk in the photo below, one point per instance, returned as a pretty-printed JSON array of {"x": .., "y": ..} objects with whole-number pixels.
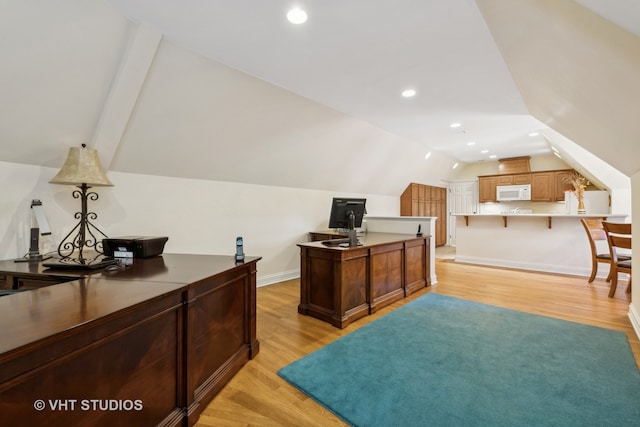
[
  {"x": 151, "y": 344},
  {"x": 340, "y": 285}
]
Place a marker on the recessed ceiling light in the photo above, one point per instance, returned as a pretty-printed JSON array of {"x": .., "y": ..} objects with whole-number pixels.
[
  {"x": 493, "y": 156},
  {"x": 426, "y": 156},
  {"x": 455, "y": 125},
  {"x": 484, "y": 151},
  {"x": 470, "y": 143},
  {"x": 455, "y": 166},
  {"x": 297, "y": 16},
  {"x": 409, "y": 93},
  {"x": 534, "y": 134}
]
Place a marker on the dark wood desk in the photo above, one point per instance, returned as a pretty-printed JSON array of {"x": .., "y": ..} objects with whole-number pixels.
[
  {"x": 340, "y": 285},
  {"x": 150, "y": 344}
]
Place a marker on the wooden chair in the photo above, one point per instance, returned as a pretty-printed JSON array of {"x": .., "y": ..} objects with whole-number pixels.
[
  {"x": 596, "y": 234},
  {"x": 618, "y": 237}
]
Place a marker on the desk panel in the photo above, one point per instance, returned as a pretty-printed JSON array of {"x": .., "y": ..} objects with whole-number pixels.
[
  {"x": 129, "y": 375},
  {"x": 164, "y": 335},
  {"x": 342, "y": 284}
]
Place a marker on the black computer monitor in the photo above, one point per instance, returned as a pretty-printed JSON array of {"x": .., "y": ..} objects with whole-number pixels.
[{"x": 347, "y": 213}]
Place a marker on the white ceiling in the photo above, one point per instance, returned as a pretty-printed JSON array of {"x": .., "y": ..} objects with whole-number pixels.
[
  {"x": 624, "y": 13},
  {"x": 357, "y": 56}
]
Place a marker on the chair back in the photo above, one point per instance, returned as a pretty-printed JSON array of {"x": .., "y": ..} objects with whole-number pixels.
[
  {"x": 595, "y": 232},
  {"x": 618, "y": 237}
]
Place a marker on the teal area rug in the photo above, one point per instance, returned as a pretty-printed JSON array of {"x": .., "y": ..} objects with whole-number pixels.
[{"x": 443, "y": 361}]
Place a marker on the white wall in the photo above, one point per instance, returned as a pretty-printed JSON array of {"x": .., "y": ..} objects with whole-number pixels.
[
  {"x": 198, "y": 216},
  {"x": 197, "y": 151},
  {"x": 634, "y": 307},
  {"x": 58, "y": 61},
  {"x": 76, "y": 71}
]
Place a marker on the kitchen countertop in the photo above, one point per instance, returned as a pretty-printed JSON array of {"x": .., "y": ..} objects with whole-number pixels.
[
  {"x": 548, "y": 216},
  {"x": 589, "y": 215}
]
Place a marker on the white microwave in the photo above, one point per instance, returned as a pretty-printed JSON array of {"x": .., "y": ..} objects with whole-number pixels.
[{"x": 505, "y": 193}]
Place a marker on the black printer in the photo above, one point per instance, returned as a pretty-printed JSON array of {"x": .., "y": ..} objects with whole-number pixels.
[{"x": 133, "y": 246}]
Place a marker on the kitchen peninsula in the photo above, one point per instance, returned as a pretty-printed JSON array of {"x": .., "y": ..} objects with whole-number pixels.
[{"x": 555, "y": 243}]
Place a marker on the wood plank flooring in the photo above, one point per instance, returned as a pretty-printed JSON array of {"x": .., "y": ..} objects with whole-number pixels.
[{"x": 257, "y": 396}]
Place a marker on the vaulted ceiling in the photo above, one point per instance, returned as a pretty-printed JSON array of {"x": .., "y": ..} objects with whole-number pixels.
[
  {"x": 358, "y": 56},
  {"x": 209, "y": 87}
]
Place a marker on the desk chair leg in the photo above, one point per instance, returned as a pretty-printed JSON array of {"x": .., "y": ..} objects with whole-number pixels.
[
  {"x": 594, "y": 270},
  {"x": 614, "y": 285}
]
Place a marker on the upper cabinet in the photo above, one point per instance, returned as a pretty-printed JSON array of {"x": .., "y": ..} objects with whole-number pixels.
[
  {"x": 562, "y": 184},
  {"x": 546, "y": 186},
  {"x": 550, "y": 186},
  {"x": 487, "y": 184},
  {"x": 514, "y": 179},
  {"x": 514, "y": 165},
  {"x": 542, "y": 186},
  {"x": 486, "y": 189}
]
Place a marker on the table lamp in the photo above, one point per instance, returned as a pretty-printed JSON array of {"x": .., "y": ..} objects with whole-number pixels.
[{"x": 82, "y": 169}]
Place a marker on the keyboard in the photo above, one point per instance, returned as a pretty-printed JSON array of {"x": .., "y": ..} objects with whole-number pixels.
[{"x": 339, "y": 242}]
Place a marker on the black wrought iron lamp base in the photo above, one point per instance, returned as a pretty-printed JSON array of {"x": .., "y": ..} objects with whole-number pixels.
[{"x": 87, "y": 235}]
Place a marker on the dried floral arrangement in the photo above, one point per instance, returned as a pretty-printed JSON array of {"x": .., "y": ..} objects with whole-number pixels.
[{"x": 578, "y": 182}]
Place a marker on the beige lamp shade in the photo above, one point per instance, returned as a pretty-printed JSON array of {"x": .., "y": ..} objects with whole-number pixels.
[{"x": 82, "y": 167}]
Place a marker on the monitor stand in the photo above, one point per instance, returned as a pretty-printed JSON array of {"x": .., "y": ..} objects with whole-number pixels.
[{"x": 353, "y": 237}]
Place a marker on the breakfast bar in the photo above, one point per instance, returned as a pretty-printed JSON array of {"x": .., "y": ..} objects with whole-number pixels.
[{"x": 555, "y": 243}]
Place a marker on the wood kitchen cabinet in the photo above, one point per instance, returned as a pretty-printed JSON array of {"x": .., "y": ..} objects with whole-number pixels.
[
  {"x": 549, "y": 186},
  {"x": 427, "y": 200},
  {"x": 441, "y": 211},
  {"x": 504, "y": 179},
  {"x": 546, "y": 186},
  {"x": 561, "y": 185},
  {"x": 513, "y": 179},
  {"x": 412, "y": 200},
  {"x": 487, "y": 189},
  {"x": 522, "y": 179},
  {"x": 542, "y": 186}
]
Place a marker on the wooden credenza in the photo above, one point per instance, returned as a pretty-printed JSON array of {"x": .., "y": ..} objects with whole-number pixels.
[
  {"x": 150, "y": 344},
  {"x": 342, "y": 284}
]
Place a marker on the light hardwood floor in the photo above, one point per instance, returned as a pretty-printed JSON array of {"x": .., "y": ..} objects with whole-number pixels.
[{"x": 257, "y": 396}]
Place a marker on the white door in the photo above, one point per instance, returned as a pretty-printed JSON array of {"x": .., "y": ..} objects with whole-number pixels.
[{"x": 463, "y": 199}]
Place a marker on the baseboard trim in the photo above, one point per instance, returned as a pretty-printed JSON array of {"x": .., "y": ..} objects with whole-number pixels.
[
  {"x": 270, "y": 279},
  {"x": 634, "y": 316},
  {"x": 557, "y": 269}
]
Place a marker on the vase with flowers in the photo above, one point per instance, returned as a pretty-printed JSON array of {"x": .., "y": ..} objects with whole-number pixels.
[{"x": 579, "y": 183}]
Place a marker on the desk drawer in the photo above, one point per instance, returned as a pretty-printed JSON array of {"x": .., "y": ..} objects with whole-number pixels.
[{"x": 25, "y": 283}]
